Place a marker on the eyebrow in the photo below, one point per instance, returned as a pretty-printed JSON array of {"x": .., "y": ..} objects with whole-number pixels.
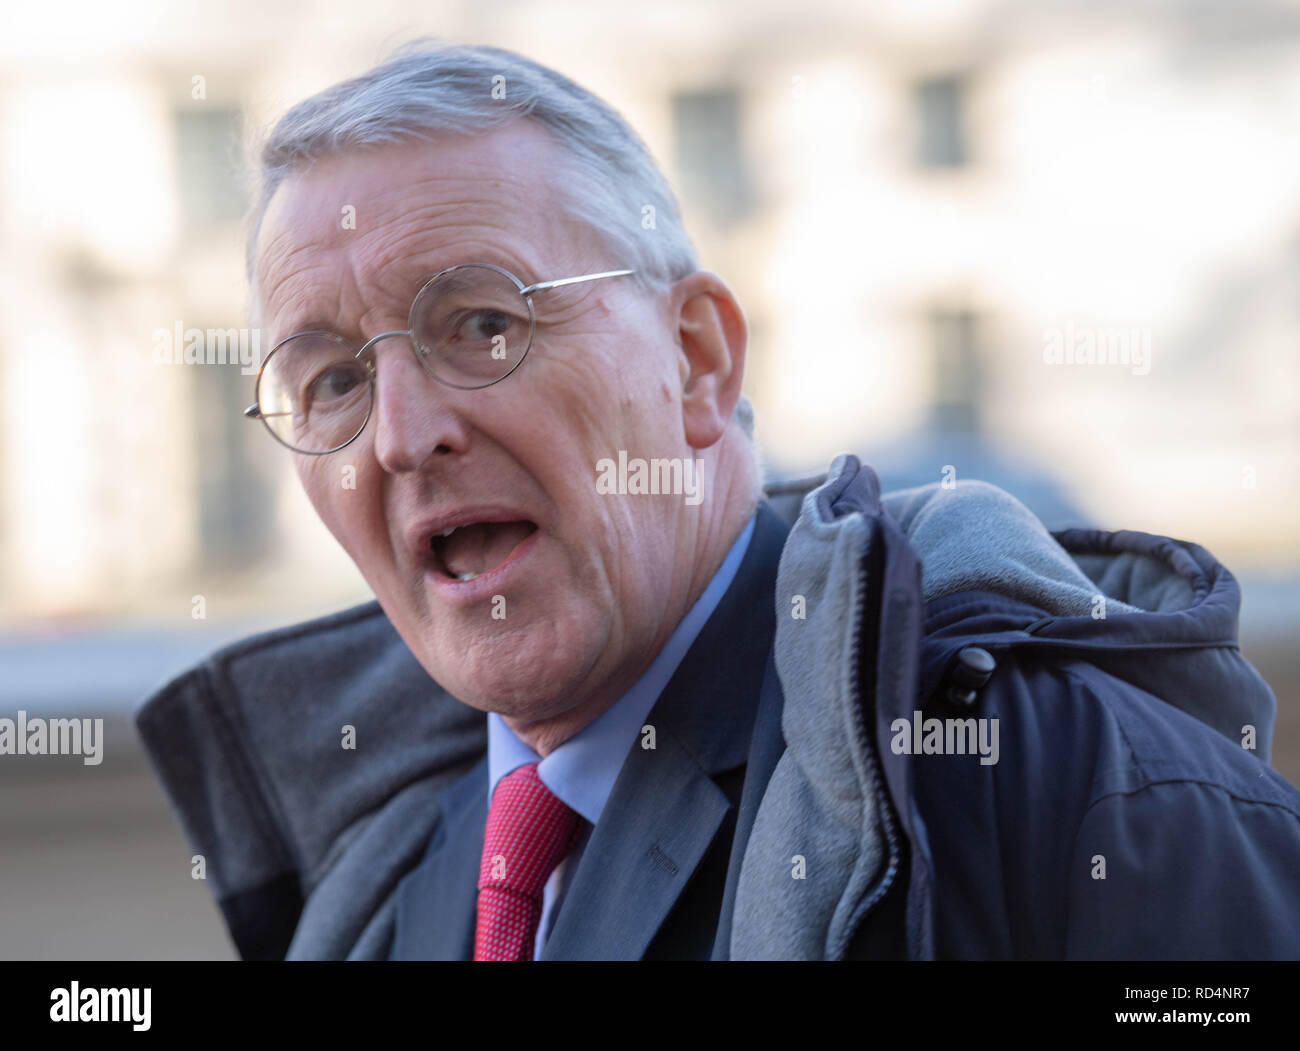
[
  {"x": 310, "y": 325},
  {"x": 506, "y": 259},
  {"x": 287, "y": 331}
]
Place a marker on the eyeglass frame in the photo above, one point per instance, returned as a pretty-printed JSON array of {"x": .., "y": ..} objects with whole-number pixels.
[{"x": 254, "y": 411}]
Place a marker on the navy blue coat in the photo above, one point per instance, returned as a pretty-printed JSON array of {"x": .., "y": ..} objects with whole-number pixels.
[{"x": 1131, "y": 813}]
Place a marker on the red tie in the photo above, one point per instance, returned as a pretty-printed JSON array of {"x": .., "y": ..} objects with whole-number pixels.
[{"x": 529, "y": 831}]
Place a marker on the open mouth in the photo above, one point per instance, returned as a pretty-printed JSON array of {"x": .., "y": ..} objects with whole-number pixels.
[{"x": 468, "y": 551}]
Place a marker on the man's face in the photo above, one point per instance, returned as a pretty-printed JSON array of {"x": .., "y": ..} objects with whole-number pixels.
[{"x": 588, "y": 584}]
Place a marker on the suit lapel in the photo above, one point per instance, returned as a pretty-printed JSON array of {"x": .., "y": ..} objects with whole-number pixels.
[
  {"x": 436, "y": 902},
  {"x": 666, "y": 808},
  {"x": 660, "y": 819},
  {"x": 768, "y": 743}
]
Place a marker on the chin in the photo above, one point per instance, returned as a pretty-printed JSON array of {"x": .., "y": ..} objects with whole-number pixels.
[
  {"x": 524, "y": 678},
  {"x": 531, "y": 666}
]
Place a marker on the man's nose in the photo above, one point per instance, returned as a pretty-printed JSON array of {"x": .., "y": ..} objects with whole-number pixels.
[{"x": 413, "y": 416}]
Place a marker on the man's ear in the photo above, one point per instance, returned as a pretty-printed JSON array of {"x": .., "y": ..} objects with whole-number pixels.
[{"x": 712, "y": 333}]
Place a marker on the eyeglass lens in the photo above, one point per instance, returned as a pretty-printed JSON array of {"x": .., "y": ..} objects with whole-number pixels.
[{"x": 471, "y": 328}]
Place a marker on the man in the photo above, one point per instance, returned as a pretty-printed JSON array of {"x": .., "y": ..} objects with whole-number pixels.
[{"x": 614, "y": 700}]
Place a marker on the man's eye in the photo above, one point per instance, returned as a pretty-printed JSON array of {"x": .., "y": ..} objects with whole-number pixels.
[
  {"x": 333, "y": 384},
  {"x": 483, "y": 325}
]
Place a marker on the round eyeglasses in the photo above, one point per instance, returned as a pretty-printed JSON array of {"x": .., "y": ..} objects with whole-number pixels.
[{"x": 471, "y": 326}]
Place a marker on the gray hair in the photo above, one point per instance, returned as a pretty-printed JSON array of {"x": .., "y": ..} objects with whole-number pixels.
[
  {"x": 426, "y": 88},
  {"x": 429, "y": 87}
]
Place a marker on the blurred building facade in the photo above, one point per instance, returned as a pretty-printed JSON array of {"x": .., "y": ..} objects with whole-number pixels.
[{"x": 912, "y": 203}]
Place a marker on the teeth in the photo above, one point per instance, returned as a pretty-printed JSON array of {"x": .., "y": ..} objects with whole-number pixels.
[
  {"x": 466, "y": 576},
  {"x": 448, "y": 532}
]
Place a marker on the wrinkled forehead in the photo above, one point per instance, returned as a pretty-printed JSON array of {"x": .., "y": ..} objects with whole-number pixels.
[{"x": 365, "y": 228}]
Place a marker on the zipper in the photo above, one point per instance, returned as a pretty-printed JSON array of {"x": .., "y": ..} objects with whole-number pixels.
[{"x": 863, "y": 714}]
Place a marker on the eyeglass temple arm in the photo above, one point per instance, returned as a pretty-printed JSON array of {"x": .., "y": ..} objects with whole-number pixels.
[
  {"x": 254, "y": 413},
  {"x": 542, "y": 286}
]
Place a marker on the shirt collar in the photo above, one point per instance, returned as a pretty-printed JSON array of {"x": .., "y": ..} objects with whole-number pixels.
[{"x": 583, "y": 769}]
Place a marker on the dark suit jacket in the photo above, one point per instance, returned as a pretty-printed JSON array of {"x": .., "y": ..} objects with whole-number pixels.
[{"x": 657, "y": 877}]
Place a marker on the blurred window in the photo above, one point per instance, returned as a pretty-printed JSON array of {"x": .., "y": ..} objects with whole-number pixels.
[
  {"x": 208, "y": 164},
  {"x": 235, "y": 499},
  {"x": 941, "y": 138},
  {"x": 710, "y": 156},
  {"x": 954, "y": 352}
]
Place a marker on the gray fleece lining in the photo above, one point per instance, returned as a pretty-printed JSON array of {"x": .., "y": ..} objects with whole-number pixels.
[
  {"x": 816, "y": 840},
  {"x": 975, "y": 537},
  {"x": 1141, "y": 579}
]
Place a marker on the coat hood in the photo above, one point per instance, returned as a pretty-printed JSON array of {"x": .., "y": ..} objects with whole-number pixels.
[{"x": 1159, "y": 614}]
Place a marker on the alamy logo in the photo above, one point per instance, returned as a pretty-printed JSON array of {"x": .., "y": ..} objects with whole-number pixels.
[
  {"x": 24, "y": 736},
  {"x": 636, "y": 477},
  {"x": 76, "y": 1004},
  {"x": 179, "y": 345},
  {"x": 1087, "y": 345},
  {"x": 946, "y": 737}
]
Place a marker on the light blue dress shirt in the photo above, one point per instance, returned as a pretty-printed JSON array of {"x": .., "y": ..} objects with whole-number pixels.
[{"x": 583, "y": 769}]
